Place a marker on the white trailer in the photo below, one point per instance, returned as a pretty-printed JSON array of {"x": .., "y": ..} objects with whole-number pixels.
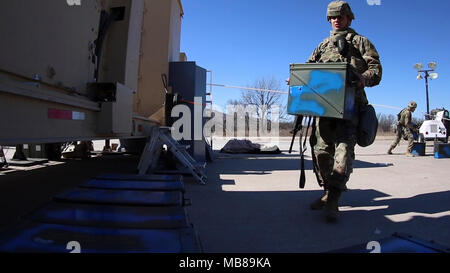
[{"x": 435, "y": 128}]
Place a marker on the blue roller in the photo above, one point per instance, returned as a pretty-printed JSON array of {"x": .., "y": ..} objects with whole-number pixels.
[
  {"x": 134, "y": 185},
  {"x": 125, "y": 197},
  {"x": 112, "y": 216},
  {"x": 52, "y": 238},
  {"x": 441, "y": 150},
  {"x": 418, "y": 148}
]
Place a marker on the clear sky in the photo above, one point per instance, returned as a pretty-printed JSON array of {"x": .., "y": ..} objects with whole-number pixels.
[{"x": 243, "y": 40}]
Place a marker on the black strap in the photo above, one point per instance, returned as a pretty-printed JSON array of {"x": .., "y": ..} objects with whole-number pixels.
[
  {"x": 306, "y": 134},
  {"x": 302, "y": 180},
  {"x": 312, "y": 143}
]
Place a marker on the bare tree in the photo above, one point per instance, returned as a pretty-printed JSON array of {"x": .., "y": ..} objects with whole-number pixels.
[
  {"x": 386, "y": 123},
  {"x": 418, "y": 122},
  {"x": 264, "y": 100}
]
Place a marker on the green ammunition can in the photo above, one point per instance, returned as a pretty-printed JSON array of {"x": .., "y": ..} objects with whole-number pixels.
[{"x": 322, "y": 90}]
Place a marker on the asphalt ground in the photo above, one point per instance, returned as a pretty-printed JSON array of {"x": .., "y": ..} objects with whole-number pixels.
[{"x": 252, "y": 203}]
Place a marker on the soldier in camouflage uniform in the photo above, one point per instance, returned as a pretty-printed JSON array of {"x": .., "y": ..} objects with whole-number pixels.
[
  {"x": 333, "y": 140},
  {"x": 405, "y": 128}
]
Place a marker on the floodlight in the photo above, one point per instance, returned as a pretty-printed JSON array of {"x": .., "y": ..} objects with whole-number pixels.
[
  {"x": 418, "y": 66},
  {"x": 433, "y": 76},
  {"x": 432, "y": 65},
  {"x": 419, "y": 77}
]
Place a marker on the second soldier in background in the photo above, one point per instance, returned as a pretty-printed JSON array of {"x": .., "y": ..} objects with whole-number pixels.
[{"x": 405, "y": 128}]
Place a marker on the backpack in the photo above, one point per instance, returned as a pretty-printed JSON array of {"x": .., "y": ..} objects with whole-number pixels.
[{"x": 367, "y": 126}]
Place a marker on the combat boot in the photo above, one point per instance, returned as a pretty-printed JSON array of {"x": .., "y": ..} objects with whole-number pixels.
[
  {"x": 332, "y": 206},
  {"x": 319, "y": 204},
  {"x": 389, "y": 152}
]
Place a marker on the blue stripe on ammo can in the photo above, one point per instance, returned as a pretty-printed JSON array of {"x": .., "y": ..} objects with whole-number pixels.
[
  {"x": 321, "y": 82},
  {"x": 298, "y": 105}
]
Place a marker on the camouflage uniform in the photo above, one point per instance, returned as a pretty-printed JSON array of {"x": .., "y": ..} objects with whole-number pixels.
[
  {"x": 334, "y": 139},
  {"x": 404, "y": 128}
]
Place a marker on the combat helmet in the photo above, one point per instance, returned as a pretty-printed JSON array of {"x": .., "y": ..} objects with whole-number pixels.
[
  {"x": 339, "y": 8},
  {"x": 412, "y": 104}
]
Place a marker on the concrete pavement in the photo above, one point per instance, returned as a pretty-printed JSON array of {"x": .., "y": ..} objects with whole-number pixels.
[{"x": 253, "y": 203}]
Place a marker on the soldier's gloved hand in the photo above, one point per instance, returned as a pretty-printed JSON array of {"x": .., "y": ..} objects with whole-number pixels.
[
  {"x": 358, "y": 80},
  {"x": 362, "y": 81}
]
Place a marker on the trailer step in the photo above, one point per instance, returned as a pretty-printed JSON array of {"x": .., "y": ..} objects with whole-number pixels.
[
  {"x": 141, "y": 177},
  {"x": 54, "y": 238},
  {"x": 121, "y": 197},
  {"x": 134, "y": 185},
  {"x": 111, "y": 216}
]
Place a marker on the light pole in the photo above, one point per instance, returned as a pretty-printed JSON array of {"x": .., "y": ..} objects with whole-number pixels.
[{"x": 428, "y": 73}]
